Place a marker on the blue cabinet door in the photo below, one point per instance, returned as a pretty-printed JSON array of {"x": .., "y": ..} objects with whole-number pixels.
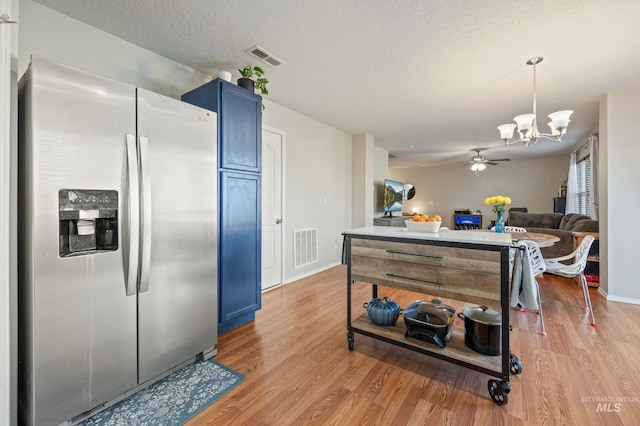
[
  {"x": 240, "y": 248},
  {"x": 240, "y": 129}
]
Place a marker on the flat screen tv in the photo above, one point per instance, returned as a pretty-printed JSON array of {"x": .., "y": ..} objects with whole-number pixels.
[{"x": 392, "y": 200}]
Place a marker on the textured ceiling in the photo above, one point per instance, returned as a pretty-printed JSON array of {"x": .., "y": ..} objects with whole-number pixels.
[{"x": 436, "y": 75}]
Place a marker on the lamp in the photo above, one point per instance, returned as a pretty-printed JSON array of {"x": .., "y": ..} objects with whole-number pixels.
[
  {"x": 408, "y": 191},
  {"x": 527, "y": 124}
]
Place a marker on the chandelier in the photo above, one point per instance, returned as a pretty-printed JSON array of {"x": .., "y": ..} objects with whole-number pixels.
[{"x": 527, "y": 124}]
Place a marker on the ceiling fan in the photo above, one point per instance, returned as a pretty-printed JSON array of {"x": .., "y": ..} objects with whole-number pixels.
[{"x": 478, "y": 163}]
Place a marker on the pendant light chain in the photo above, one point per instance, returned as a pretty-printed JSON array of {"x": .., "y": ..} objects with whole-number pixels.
[{"x": 535, "y": 90}]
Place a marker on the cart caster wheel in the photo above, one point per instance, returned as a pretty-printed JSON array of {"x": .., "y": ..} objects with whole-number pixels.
[
  {"x": 499, "y": 391},
  {"x": 350, "y": 339},
  {"x": 515, "y": 366}
]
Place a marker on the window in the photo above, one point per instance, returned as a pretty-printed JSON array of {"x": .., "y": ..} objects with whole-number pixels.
[{"x": 583, "y": 199}]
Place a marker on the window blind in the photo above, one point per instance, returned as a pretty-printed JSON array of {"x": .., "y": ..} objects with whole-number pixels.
[{"x": 583, "y": 170}]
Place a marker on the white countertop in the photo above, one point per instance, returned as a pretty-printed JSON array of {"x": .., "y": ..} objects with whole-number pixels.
[{"x": 474, "y": 237}]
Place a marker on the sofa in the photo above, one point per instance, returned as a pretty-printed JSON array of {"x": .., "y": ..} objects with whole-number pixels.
[{"x": 558, "y": 224}]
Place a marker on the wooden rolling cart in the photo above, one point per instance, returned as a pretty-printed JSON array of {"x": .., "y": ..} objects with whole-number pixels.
[{"x": 472, "y": 267}]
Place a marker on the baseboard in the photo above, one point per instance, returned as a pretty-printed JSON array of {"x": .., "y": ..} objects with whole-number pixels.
[
  {"x": 307, "y": 274},
  {"x": 610, "y": 298}
]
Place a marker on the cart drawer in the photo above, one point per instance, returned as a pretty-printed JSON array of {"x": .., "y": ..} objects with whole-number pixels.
[
  {"x": 449, "y": 272},
  {"x": 455, "y": 284},
  {"x": 448, "y": 257}
]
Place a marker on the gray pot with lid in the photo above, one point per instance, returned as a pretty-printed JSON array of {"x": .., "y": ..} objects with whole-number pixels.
[{"x": 430, "y": 321}]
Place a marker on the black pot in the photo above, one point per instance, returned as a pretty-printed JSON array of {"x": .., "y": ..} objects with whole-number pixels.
[
  {"x": 247, "y": 83},
  {"x": 482, "y": 329},
  {"x": 431, "y": 322}
]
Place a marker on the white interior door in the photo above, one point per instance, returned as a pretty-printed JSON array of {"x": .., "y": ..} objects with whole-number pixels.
[{"x": 271, "y": 208}]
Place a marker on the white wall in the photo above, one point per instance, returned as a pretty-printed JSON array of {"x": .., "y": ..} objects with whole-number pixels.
[
  {"x": 362, "y": 172},
  {"x": 318, "y": 157},
  {"x": 380, "y": 173},
  {"x": 318, "y": 185},
  {"x": 47, "y": 33},
  {"x": 619, "y": 200},
  {"x": 441, "y": 190}
]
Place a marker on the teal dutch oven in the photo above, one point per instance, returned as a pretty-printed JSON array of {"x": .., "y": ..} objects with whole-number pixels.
[{"x": 382, "y": 311}]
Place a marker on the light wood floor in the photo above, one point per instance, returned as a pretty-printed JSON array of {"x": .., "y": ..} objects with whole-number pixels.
[{"x": 300, "y": 371}]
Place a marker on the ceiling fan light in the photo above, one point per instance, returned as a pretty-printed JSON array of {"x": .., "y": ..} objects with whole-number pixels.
[
  {"x": 506, "y": 131},
  {"x": 560, "y": 119},
  {"x": 475, "y": 167},
  {"x": 481, "y": 167}
]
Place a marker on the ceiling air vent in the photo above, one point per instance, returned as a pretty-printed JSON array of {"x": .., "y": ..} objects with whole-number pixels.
[{"x": 264, "y": 56}]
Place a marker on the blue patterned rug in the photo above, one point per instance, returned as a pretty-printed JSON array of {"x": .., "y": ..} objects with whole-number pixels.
[{"x": 172, "y": 400}]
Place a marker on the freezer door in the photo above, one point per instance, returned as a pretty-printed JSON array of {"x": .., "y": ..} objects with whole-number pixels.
[
  {"x": 78, "y": 335},
  {"x": 177, "y": 299}
]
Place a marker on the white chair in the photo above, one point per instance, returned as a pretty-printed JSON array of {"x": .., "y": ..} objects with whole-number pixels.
[
  {"x": 555, "y": 267},
  {"x": 514, "y": 229}
]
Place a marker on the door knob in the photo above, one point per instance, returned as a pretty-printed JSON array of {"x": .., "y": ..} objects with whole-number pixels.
[{"x": 278, "y": 221}]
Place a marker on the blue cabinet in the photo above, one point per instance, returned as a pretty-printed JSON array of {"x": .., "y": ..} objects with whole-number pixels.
[
  {"x": 239, "y": 247},
  {"x": 239, "y": 198}
]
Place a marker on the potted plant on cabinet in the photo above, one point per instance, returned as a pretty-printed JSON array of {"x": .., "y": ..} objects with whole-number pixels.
[{"x": 247, "y": 80}]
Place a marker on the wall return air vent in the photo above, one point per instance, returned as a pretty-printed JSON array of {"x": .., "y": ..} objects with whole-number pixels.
[
  {"x": 264, "y": 55},
  {"x": 305, "y": 246}
]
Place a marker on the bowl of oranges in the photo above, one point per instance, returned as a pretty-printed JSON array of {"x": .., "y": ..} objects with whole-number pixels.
[{"x": 424, "y": 223}]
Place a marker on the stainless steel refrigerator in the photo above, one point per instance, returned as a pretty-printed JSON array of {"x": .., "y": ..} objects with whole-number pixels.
[{"x": 118, "y": 240}]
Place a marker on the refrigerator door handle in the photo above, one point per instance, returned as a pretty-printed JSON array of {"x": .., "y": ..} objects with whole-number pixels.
[
  {"x": 146, "y": 215},
  {"x": 134, "y": 215}
]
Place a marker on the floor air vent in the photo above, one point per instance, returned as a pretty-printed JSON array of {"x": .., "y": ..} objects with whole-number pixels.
[
  {"x": 305, "y": 247},
  {"x": 264, "y": 56}
]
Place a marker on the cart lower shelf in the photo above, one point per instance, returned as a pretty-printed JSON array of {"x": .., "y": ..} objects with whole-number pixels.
[{"x": 455, "y": 351}]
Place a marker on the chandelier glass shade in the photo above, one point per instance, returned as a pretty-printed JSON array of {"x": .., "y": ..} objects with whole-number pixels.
[{"x": 527, "y": 124}]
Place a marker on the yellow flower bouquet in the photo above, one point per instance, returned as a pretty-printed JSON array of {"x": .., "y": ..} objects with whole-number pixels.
[{"x": 498, "y": 202}]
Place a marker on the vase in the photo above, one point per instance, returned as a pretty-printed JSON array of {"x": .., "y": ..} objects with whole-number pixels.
[
  {"x": 500, "y": 222},
  {"x": 225, "y": 75},
  {"x": 246, "y": 83}
]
